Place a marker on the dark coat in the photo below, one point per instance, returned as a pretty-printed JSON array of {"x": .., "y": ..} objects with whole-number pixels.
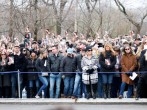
[
  {"x": 40, "y": 65},
  {"x": 19, "y": 62},
  {"x": 142, "y": 61},
  {"x": 77, "y": 63},
  {"x": 142, "y": 83},
  {"x": 66, "y": 66},
  {"x": 5, "y": 78},
  {"x": 11, "y": 67},
  {"x": 142, "y": 86},
  {"x": 55, "y": 62},
  {"x": 31, "y": 68},
  {"x": 102, "y": 60}
]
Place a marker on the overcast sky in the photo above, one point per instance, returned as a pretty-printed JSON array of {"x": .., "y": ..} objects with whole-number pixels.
[{"x": 134, "y": 3}]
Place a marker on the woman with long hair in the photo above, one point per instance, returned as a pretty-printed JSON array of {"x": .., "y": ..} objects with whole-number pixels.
[
  {"x": 107, "y": 62},
  {"x": 43, "y": 67},
  {"x": 32, "y": 77},
  {"x": 5, "y": 82},
  {"x": 128, "y": 64}
]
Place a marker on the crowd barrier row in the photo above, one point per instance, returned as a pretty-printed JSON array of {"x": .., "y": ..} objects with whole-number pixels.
[
  {"x": 10, "y": 72},
  {"x": 18, "y": 75}
]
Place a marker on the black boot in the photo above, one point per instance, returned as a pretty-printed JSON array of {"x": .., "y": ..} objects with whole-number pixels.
[
  {"x": 109, "y": 90},
  {"x": 94, "y": 92},
  {"x": 30, "y": 92},
  {"x": 94, "y": 96},
  {"x": 88, "y": 96},
  {"x": 105, "y": 90}
]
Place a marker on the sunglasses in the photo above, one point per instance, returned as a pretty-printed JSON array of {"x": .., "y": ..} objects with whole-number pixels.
[
  {"x": 89, "y": 50},
  {"x": 127, "y": 49}
]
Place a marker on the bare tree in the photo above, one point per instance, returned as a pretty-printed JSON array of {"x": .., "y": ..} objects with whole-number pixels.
[
  {"x": 58, "y": 13},
  {"x": 11, "y": 19},
  {"x": 138, "y": 25},
  {"x": 36, "y": 20},
  {"x": 90, "y": 5}
]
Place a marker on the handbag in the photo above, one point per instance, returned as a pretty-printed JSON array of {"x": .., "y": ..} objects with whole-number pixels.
[
  {"x": 44, "y": 74},
  {"x": 86, "y": 78},
  {"x": 94, "y": 78}
]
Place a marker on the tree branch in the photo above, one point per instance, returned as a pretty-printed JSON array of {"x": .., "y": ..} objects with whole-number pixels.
[
  {"x": 123, "y": 10},
  {"x": 46, "y": 2}
]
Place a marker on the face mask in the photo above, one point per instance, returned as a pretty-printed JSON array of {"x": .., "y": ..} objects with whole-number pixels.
[{"x": 145, "y": 46}]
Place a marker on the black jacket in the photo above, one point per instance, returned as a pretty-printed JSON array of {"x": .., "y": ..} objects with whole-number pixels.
[
  {"x": 11, "y": 67},
  {"x": 142, "y": 61},
  {"x": 102, "y": 60},
  {"x": 142, "y": 86},
  {"x": 66, "y": 66},
  {"x": 31, "y": 68},
  {"x": 40, "y": 65},
  {"x": 5, "y": 78},
  {"x": 55, "y": 62},
  {"x": 19, "y": 62},
  {"x": 77, "y": 63}
]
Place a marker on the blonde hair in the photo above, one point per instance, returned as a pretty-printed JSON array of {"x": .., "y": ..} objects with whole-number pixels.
[
  {"x": 111, "y": 49},
  {"x": 141, "y": 47},
  {"x": 41, "y": 53}
]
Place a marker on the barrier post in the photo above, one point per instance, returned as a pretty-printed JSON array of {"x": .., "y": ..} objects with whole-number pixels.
[{"x": 18, "y": 78}]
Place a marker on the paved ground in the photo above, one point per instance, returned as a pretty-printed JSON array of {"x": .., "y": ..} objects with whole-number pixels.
[
  {"x": 67, "y": 104},
  {"x": 73, "y": 106},
  {"x": 71, "y": 101}
]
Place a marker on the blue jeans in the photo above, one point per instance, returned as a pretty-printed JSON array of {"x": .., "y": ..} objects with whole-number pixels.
[
  {"x": 14, "y": 84},
  {"x": 77, "y": 85},
  {"x": 100, "y": 86},
  {"x": 68, "y": 85},
  {"x": 55, "y": 79},
  {"x": 107, "y": 78},
  {"x": 44, "y": 81},
  {"x": 32, "y": 81},
  {"x": 130, "y": 89}
]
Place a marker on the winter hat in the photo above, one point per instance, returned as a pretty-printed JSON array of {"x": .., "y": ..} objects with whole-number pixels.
[
  {"x": 88, "y": 48},
  {"x": 33, "y": 51},
  {"x": 70, "y": 51}
]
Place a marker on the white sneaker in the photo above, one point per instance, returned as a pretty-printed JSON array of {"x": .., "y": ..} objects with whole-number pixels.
[{"x": 37, "y": 97}]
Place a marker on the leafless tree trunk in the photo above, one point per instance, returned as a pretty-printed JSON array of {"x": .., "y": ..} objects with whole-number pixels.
[
  {"x": 90, "y": 8},
  {"x": 138, "y": 25},
  {"x": 36, "y": 20},
  {"x": 11, "y": 19},
  {"x": 58, "y": 17}
]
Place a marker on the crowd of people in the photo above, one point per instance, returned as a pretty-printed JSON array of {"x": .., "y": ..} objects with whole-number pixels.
[{"x": 74, "y": 67}]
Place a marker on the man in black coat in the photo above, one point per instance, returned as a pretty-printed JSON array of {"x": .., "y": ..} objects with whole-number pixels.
[
  {"x": 19, "y": 65},
  {"x": 142, "y": 83}
]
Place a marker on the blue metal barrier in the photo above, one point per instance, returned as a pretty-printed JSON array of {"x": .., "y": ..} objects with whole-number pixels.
[
  {"x": 11, "y": 72},
  {"x": 18, "y": 75}
]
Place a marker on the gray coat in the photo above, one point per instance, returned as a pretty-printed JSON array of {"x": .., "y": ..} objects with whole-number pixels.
[{"x": 90, "y": 64}]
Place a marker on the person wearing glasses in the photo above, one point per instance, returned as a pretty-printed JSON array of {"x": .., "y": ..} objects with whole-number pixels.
[
  {"x": 128, "y": 64},
  {"x": 107, "y": 62},
  {"x": 89, "y": 66}
]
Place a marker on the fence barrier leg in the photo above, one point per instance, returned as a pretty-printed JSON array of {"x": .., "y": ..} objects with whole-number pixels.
[{"x": 18, "y": 78}]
